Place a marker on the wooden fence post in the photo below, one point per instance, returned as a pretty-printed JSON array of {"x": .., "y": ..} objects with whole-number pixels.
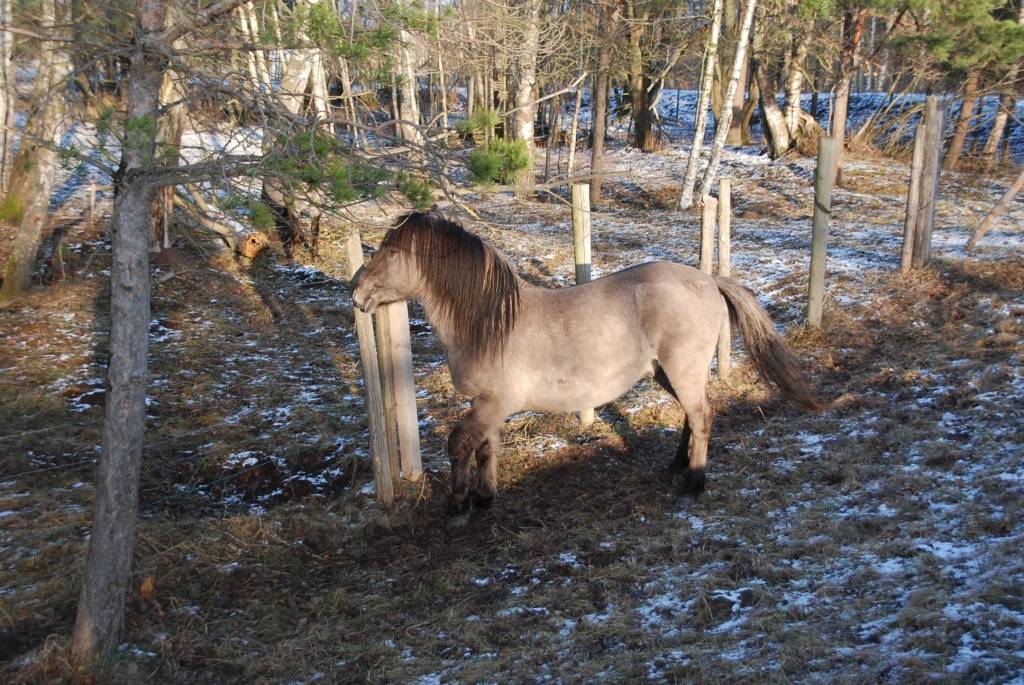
[
  {"x": 930, "y": 170},
  {"x": 400, "y": 352},
  {"x": 913, "y": 199},
  {"x": 819, "y": 229},
  {"x": 386, "y": 369},
  {"x": 707, "y": 234},
  {"x": 371, "y": 384},
  {"x": 581, "y": 254},
  {"x": 724, "y": 269}
]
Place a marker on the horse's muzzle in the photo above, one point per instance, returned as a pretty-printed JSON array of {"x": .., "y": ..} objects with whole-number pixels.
[{"x": 354, "y": 283}]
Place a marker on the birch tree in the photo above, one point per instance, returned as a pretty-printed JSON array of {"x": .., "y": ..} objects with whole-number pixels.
[
  {"x": 703, "y": 104},
  {"x": 722, "y": 126},
  {"x": 526, "y": 80},
  {"x": 7, "y": 95}
]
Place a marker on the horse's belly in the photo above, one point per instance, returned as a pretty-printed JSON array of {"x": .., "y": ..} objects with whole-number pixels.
[{"x": 572, "y": 392}]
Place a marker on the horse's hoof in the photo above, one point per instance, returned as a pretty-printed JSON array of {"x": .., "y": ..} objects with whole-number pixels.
[
  {"x": 481, "y": 500},
  {"x": 693, "y": 483},
  {"x": 686, "y": 501},
  {"x": 458, "y": 521},
  {"x": 459, "y": 506}
]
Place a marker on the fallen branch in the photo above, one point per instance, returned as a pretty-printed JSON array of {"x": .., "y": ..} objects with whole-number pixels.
[{"x": 997, "y": 211}]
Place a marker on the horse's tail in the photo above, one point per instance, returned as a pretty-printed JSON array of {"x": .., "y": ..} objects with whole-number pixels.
[{"x": 774, "y": 360}]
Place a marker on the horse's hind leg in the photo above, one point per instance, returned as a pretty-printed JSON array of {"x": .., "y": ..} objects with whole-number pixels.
[
  {"x": 690, "y": 388},
  {"x": 682, "y": 458}
]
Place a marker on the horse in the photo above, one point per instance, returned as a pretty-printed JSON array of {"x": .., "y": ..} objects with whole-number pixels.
[{"x": 512, "y": 346}]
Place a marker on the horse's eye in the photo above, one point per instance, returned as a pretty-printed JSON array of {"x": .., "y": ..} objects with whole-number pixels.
[{"x": 391, "y": 251}]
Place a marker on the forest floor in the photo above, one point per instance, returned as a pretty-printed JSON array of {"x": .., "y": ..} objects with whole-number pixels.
[{"x": 878, "y": 540}]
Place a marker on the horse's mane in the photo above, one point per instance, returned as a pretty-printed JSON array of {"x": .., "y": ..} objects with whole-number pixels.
[{"x": 473, "y": 290}]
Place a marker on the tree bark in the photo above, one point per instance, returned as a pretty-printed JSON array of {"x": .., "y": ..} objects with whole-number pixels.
[
  {"x": 854, "y": 29},
  {"x": 408, "y": 103},
  {"x": 170, "y": 127},
  {"x": 643, "y": 123},
  {"x": 776, "y": 132},
  {"x": 794, "y": 85},
  {"x": 108, "y": 569},
  {"x": 28, "y": 198},
  {"x": 1007, "y": 101},
  {"x": 963, "y": 123},
  {"x": 727, "y": 54},
  {"x": 526, "y": 79},
  {"x": 7, "y": 95},
  {"x": 1007, "y": 104},
  {"x": 703, "y": 103},
  {"x": 599, "y": 103},
  {"x": 722, "y": 126}
]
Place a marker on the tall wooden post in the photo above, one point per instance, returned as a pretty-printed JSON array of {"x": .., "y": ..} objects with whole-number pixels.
[
  {"x": 930, "y": 169},
  {"x": 581, "y": 254},
  {"x": 400, "y": 352},
  {"x": 386, "y": 369},
  {"x": 724, "y": 268},
  {"x": 819, "y": 231},
  {"x": 707, "y": 234},
  {"x": 913, "y": 200},
  {"x": 371, "y": 384}
]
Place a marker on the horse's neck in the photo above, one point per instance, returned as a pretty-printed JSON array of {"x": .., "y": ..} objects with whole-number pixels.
[
  {"x": 437, "y": 322},
  {"x": 442, "y": 327}
]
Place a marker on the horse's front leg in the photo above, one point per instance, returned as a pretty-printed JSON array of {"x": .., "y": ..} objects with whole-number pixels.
[
  {"x": 487, "y": 472},
  {"x": 475, "y": 435}
]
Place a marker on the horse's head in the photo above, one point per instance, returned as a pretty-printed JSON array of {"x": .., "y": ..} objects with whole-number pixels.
[{"x": 389, "y": 277}]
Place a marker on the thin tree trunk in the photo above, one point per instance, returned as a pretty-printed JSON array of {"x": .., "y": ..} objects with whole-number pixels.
[
  {"x": 854, "y": 25},
  {"x": 1007, "y": 104},
  {"x": 794, "y": 85},
  {"x": 262, "y": 70},
  {"x": 722, "y": 126},
  {"x": 737, "y": 134},
  {"x": 643, "y": 129},
  {"x": 1007, "y": 101},
  {"x": 408, "y": 103},
  {"x": 703, "y": 103},
  {"x": 599, "y": 105},
  {"x": 963, "y": 123},
  {"x": 526, "y": 79},
  {"x": 7, "y": 95},
  {"x": 775, "y": 130},
  {"x": 250, "y": 55},
  {"x": 997, "y": 211},
  {"x": 108, "y": 569},
  {"x": 318, "y": 90},
  {"x": 31, "y": 183},
  {"x": 170, "y": 127}
]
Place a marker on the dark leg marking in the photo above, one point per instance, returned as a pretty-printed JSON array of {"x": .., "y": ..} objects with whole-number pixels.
[
  {"x": 693, "y": 482},
  {"x": 462, "y": 443},
  {"x": 682, "y": 459}
]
